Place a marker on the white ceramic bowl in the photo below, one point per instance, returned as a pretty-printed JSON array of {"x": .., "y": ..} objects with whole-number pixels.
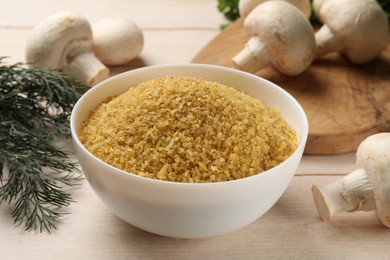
[{"x": 187, "y": 210}]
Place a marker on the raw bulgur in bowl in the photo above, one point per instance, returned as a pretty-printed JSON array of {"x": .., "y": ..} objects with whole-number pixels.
[
  {"x": 187, "y": 129},
  {"x": 188, "y": 150}
]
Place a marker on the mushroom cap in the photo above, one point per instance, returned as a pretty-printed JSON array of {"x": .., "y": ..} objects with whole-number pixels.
[
  {"x": 373, "y": 155},
  {"x": 286, "y": 32},
  {"x": 117, "y": 40},
  {"x": 57, "y": 39},
  {"x": 360, "y": 25},
  {"x": 246, "y": 6}
]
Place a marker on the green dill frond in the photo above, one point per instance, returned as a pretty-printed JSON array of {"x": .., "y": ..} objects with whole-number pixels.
[{"x": 35, "y": 108}]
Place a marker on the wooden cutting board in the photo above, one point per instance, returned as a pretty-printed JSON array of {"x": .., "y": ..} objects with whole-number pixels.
[{"x": 345, "y": 103}]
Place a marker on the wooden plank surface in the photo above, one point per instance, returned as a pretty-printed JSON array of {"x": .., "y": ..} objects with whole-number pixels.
[
  {"x": 290, "y": 230},
  {"x": 175, "y": 31},
  {"x": 200, "y": 14}
]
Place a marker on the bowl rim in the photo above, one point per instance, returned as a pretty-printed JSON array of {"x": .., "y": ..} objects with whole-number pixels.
[{"x": 300, "y": 147}]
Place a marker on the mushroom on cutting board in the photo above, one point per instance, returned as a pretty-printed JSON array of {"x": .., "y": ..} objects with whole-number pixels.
[
  {"x": 64, "y": 40},
  {"x": 280, "y": 35},
  {"x": 246, "y": 6},
  {"x": 116, "y": 40},
  {"x": 357, "y": 28},
  {"x": 365, "y": 189}
]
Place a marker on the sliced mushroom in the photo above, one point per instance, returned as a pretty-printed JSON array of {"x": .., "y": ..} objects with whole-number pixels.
[
  {"x": 65, "y": 40},
  {"x": 246, "y": 6},
  {"x": 357, "y": 28},
  {"x": 280, "y": 35},
  {"x": 116, "y": 40},
  {"x": 365, "y": 189}
]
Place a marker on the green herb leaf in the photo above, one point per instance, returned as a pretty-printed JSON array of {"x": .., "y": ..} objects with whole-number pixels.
[
  {"x": 229, "y": 8},
  {"x": 385, "y": 4},
  {"x": 35, "y": 107}
]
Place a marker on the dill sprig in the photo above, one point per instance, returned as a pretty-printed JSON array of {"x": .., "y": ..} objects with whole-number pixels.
[{"x": 35, "y": 107}]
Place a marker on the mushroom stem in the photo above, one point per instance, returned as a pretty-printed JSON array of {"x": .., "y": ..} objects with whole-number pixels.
[
  {"x": 348, "y": 194},
  {"x": 326, "y": 42},
  {"x": 253, "y": 57},
  {"x": 85, "y": 67}
]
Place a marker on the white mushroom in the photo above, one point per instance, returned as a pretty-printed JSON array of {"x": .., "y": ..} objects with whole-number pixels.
[
  {"x": 246, "y": 6},
  {"x": 357, "y": 28},
  {"x": 117, "y": 40},
  {"x": 65, "y": 40},
  {"x": 365, "y": 189},
  {"x": 280, "y": 35}
]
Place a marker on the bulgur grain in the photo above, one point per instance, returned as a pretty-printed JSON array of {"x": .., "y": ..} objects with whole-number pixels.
[{"x": 187, "y": 129}]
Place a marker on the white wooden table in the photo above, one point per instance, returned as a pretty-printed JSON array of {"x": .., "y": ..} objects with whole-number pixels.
[{"x": 174, "y": 32}]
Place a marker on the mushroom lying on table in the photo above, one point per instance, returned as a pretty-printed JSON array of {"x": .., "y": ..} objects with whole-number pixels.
[
  {"x": 357, "y": 28},
  {"x": 116, "y": 40},
  {"x": 64, "y": 40},
  {"x": 365, "y": 189},
  {"x": 280, "y": 35},
  {"x": 246, "y": 6}
]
